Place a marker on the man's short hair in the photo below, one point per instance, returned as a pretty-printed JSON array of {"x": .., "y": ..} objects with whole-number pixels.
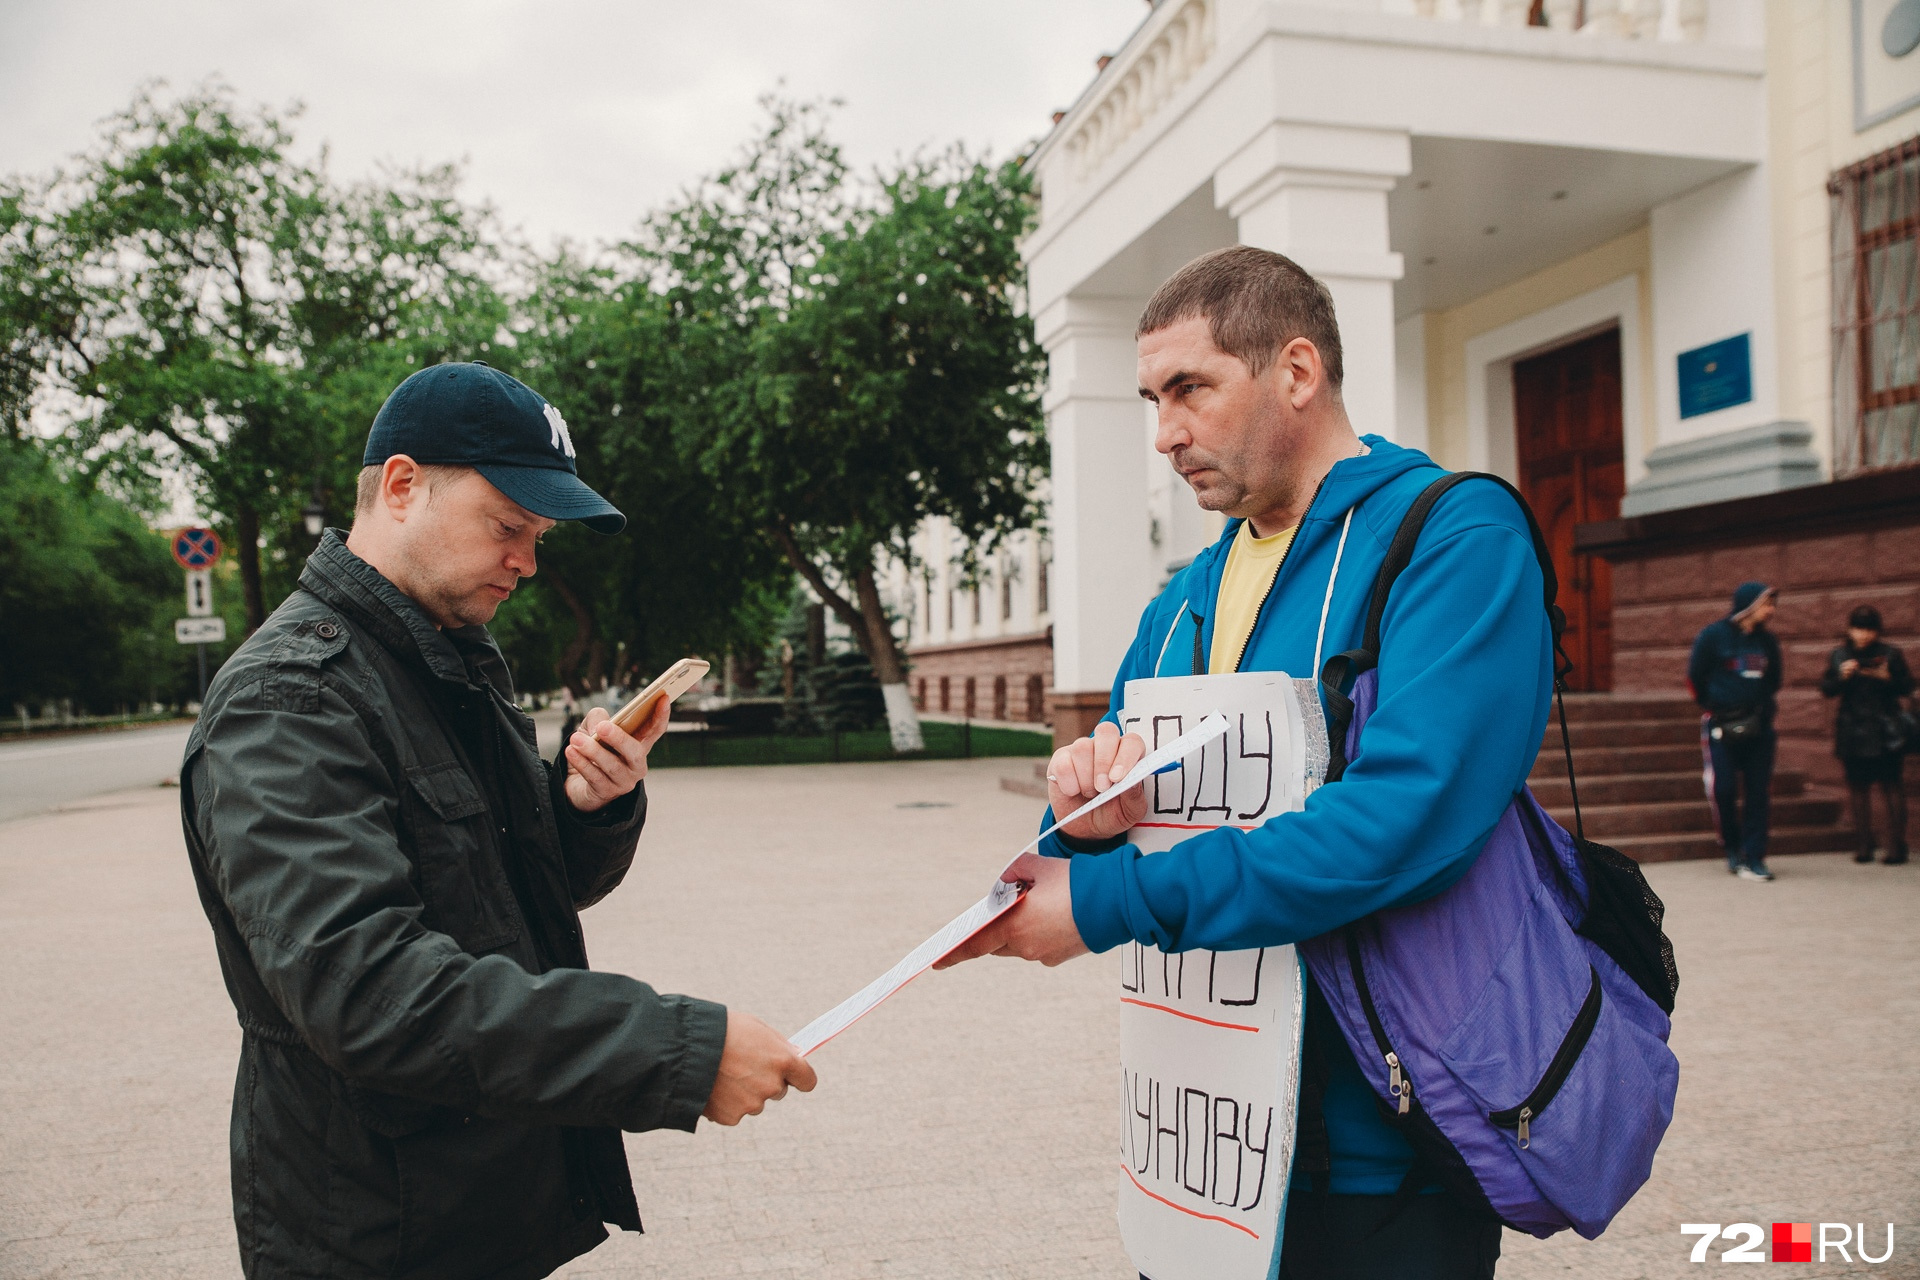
[
  {"x": 1255, "y": 301},
  {"x": 366, "y": 490}
]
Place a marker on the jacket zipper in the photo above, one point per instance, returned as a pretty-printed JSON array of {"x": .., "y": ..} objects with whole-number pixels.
[
  {"x": 1278, "y": 570},
  {"x": 1399, "y": 1083},
  {"x": 1521, "y": 1117}
]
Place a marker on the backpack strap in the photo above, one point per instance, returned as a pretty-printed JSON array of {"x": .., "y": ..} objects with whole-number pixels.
[{"x": 1342, "y": 668}]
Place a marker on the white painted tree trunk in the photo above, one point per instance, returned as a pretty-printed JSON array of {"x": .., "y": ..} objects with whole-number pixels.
[{"x": 903, "y": 722}]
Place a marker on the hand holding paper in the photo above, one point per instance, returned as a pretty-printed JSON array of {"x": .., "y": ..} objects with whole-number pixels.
[
  {"x": 1094, "y": 766},
  {"x": 1043, "y": 928}
]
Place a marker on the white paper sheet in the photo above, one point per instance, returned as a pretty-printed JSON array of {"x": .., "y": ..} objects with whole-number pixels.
[{"x": 996, "y": 903}]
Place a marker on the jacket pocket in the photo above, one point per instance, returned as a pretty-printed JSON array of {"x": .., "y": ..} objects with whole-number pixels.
[
  {"x": 460, "y": 878},
  {"x": 1581, "y": 1091}
]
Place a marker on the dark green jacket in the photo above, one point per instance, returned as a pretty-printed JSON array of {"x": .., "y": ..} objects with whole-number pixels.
[{"x": 431, "y": 1082}]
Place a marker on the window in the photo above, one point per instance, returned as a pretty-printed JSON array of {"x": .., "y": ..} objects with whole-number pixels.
[
  {"x": 1876, "y": 311},
  {"x": 976, "y": 604},
  {"x": 1041, "y": 605},
  {"x": 1006, "y": 594}
]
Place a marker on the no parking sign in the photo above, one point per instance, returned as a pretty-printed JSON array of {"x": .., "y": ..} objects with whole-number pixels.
[{"x": 196, "y": 548}]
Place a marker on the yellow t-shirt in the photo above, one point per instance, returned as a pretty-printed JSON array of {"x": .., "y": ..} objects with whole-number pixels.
[{"x": 1251, "y": 565}]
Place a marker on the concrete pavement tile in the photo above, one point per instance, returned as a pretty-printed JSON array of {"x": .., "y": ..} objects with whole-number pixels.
[{"x": 960, "y": 1130}]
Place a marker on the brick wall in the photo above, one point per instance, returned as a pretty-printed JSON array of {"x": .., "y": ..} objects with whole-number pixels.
[
  {"x": 1007, "y": 678},
  {"x": 1827, "y": 548}
]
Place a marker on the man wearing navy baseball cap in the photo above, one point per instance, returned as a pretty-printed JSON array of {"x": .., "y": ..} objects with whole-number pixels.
[{"x": 432, "y": 1083}]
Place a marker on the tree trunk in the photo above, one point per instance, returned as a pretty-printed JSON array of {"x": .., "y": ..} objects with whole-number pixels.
[
  {"x": 246, "y": 537},
  {"x": 567, "y": 666},
  {"x": 868, "y": 622},
  {"x": 889, "y": 667}
]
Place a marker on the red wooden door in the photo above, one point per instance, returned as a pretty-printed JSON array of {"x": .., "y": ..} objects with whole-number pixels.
[{"x": 1567, "y": 412}]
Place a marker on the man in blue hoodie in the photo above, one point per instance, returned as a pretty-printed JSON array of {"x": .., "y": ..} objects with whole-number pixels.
[
  {"x": 1734, "y": 671},
  {"x": 1240, "y": 354}
]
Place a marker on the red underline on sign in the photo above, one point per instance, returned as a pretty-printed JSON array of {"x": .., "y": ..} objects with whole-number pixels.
[
  {"x": 1191, "y": 1017},
  {"x": 1228, "y": 1222},
  {"x": 1195, "y": 826}
]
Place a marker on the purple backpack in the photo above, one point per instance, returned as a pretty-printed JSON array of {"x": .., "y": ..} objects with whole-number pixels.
[{"x": 1514, "y": 1027}]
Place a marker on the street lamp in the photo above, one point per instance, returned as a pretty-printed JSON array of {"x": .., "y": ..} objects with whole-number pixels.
[{"x": 314, "y": 514}]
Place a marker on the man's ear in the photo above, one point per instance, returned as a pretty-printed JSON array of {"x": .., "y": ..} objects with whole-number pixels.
[
  {"x": 403, "y": 486},
  {"x": 1303, "y": 375}
]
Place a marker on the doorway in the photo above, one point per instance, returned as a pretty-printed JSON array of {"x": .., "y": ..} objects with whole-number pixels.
[{"x": 1566, "y": 406}]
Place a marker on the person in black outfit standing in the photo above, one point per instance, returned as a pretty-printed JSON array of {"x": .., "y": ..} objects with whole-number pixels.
[
  {"x": 1735, "y": 673},
  {"x": 1870, "y": 732}
]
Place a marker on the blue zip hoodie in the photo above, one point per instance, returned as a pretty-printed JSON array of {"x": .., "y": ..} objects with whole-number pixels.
[{"x": 1465, "y": 686}]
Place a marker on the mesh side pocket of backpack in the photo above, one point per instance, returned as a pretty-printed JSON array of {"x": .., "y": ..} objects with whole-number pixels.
[{"x": 1624, "y": 917}]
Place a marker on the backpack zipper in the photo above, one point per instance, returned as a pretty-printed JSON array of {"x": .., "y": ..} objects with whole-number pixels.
[
  {"x": 1521, "y": 1117},
  {"x": 1399, "y": 1083},
  {"x": 1278, "y": 569}
]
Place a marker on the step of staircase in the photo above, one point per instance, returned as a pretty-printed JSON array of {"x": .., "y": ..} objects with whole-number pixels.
[
  {"x": 1639, "y": 788},
  {"x": 1596, "y": 761},
  {"x": 1622, "y": 733},
  {"x": 1691, "y": 845},
  {"x": 1608, "y": 822},
  {"x": 1583, "y": 708}
]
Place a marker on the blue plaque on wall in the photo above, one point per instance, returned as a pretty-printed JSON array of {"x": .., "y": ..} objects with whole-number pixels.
[{"x": 1716, "y": 376}]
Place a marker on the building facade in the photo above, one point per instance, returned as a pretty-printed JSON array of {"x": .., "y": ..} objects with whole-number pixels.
[
  {"x": 1637, "y": 256},
  {"x": 979, "y": 638}
]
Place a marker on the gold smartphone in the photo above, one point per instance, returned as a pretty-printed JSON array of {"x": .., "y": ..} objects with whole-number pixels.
[{"x": 670, "y": 684}]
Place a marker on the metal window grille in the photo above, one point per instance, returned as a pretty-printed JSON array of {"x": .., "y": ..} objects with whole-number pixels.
[{"x": 1876, "y": 311}]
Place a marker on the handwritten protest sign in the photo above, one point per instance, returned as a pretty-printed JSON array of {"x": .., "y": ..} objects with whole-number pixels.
[
  {"x": 1177, "y": 746},
  {"x": 1210, "y": 1040}
]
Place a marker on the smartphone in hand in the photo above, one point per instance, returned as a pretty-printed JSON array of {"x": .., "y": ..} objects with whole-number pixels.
[{"x": 670, "y": 684}]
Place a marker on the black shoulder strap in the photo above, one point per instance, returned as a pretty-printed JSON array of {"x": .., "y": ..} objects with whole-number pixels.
[{"x": 1342, "y": 668}]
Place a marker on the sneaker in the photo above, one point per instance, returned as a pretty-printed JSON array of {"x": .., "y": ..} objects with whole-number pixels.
[
  {"x": 1864, "y": 856},
  {"x": 1754, "y": 873},
  {"x": 1895, "y": 859}
]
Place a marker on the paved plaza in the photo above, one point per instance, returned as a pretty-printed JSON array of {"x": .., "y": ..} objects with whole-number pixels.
[{"x": 961, "y": 1131}]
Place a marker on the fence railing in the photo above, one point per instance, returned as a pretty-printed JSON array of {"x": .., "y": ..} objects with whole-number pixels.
[{"x": 944, "y": 741}]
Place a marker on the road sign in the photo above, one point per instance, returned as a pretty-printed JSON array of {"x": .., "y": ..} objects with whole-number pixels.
[
  {"x": 199, "y": 593},
  {"x": 196, "y": 548},
  {"x": 200, "y": 630}
]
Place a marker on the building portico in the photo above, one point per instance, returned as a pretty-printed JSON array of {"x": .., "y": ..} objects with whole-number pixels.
[{"x": 1420, "y": 159}]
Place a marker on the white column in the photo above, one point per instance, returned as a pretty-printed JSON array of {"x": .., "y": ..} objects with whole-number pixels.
[
  {"x": 1318, "y": 194},
  {"x": 1102, "y": 561}
]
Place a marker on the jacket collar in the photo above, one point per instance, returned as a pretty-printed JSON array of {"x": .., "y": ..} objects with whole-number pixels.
[{"x": 351, "y": 585}]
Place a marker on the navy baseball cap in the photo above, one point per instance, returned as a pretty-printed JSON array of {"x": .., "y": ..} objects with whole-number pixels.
[{"x": 473, "y": 415}]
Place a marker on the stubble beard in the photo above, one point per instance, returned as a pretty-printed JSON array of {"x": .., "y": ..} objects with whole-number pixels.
[{"x": 449, "y": 605}]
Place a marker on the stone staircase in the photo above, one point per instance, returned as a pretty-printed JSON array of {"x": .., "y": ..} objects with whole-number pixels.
[{"x": 1638, "y": 762}]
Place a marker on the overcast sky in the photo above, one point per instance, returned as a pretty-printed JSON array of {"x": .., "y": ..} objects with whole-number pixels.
[{"x": 570, "y": 116}]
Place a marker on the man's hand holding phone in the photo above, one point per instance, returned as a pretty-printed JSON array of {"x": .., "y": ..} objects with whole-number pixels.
[{"x": 604, "y": 761}]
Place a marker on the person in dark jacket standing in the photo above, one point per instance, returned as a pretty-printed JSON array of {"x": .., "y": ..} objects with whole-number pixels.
[
  {"x": 1735, "y": 673},
  {"x": 431, "y": 1082},
  {"x": 1870, "y": 676}
]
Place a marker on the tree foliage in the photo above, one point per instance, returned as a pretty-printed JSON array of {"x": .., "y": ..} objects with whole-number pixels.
[
  {"x": 869, "y": 364},
  {"x": 192, "y": 299},
  {"x": 784, "y": 372},
  {"x": 687, "y": 575},
  {"x": 88, "y": 593}
]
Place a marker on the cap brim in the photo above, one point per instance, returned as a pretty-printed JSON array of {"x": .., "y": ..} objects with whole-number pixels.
[{"x": 555, "y": 494}]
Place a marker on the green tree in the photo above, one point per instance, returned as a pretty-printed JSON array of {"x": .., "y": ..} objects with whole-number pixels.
[
  {"x": 686, "y": 576},
  {"x": 867, "y": 363},
  {"x": 191, "y": 299},
  {"x": 88, "y": 593}
]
